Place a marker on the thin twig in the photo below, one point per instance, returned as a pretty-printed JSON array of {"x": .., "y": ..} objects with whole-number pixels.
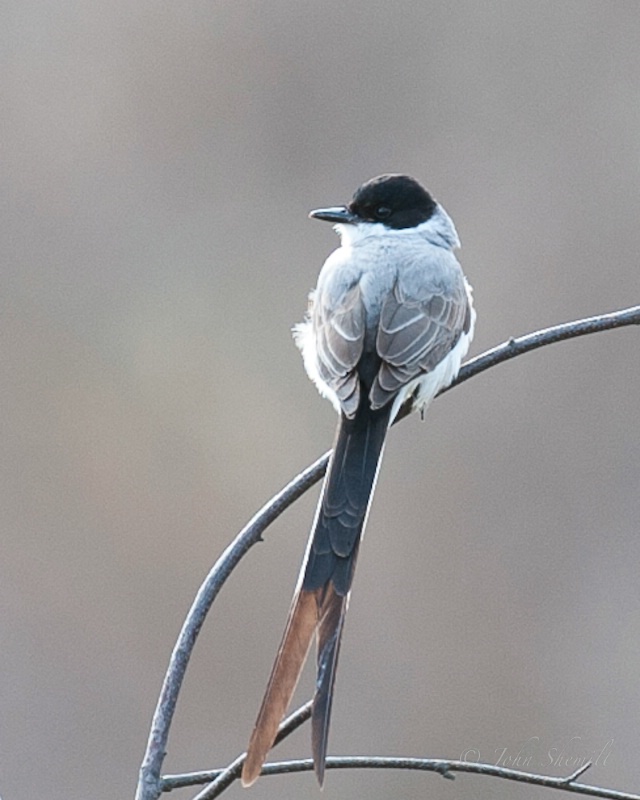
[
  {"x": 149, "y": 779},
  {"x": 222, "y": 779},
  {"x": 444, "y": 767},
  {"x": 580, "y": 771},
  {"x": 558, "y": 333},
  {"x": 149, "y": 783}
]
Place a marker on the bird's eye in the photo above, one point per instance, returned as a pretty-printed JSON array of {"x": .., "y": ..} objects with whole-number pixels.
[{"x": 382, "y": 212}]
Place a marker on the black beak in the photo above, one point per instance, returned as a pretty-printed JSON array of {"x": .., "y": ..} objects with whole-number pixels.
[{"x": 335, "y": 214}]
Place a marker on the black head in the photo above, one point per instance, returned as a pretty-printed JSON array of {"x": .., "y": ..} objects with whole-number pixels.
[{"x": 398, "y": 201}]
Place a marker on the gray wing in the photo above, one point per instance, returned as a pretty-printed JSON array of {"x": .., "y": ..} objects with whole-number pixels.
[
  {"x": 415, "y": 334},
  {"x": 339, "y": 335}
]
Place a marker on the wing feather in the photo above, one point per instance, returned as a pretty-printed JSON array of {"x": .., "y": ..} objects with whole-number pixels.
[
  {"x": 416, "y": 333},
  {"x": 339, "y": 330}
]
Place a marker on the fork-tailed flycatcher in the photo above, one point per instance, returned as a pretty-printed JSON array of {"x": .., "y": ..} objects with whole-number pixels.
[{"x": 388, "y": 325}]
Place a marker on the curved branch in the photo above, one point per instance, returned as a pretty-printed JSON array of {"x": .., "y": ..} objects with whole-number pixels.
[
  {"x": 444, "y": 767},
  {"x": 149, "y": 785},
  {"x": 221, "y": 779},
  {"x": 532, "y": 341}
]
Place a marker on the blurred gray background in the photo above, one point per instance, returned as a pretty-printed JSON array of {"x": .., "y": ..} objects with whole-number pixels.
[{"x": 158, "y": 163}]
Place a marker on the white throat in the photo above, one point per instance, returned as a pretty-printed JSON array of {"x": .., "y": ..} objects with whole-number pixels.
[{"x": 438, "y": 229}]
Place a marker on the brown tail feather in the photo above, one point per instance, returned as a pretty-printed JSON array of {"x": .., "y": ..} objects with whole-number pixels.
[{"x": 288, "y": 665}]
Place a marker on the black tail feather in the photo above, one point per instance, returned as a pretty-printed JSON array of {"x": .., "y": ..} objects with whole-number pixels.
[
  {"x": 334, "y": 549},
  {"x": 332, "y": 615},
  {"x": 346, "y": 495},
  {"x": 321, "y": 601}
]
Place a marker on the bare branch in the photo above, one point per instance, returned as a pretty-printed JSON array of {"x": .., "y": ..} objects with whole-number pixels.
[
  {"x": 445, "y": 767},
  {"x": 149, "y": 779},
  {"x": 580, "y": 771},
  {"x": 222, "y": 779},
  {"x": 558, "y": 333},
  {"x": 149, "y": 783}
]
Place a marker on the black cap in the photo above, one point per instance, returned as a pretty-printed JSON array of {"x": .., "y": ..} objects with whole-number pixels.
[{"x": 397, "y": 201}]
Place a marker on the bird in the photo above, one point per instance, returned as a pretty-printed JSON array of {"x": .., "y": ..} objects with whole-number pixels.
[{"x": 387, "y": 327}]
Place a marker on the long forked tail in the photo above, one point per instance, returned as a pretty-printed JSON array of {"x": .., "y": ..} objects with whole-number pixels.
[{"x": 320, "y": 601}]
